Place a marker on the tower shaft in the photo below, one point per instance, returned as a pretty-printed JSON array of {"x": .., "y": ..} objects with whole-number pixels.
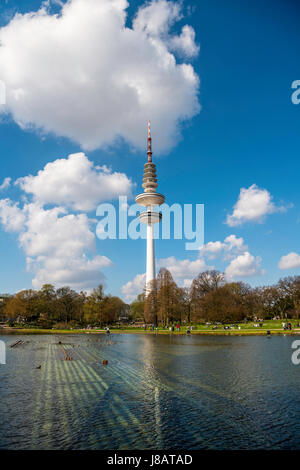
[{"x": 150, "y": 264}]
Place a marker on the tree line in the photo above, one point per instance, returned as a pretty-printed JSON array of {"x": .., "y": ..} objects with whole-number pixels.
[
  {"x": 50, "y": 307},
  {"x": 211, "y": 299}
]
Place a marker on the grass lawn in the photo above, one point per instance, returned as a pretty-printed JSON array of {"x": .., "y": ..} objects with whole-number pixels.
[{"x": 275, "y": 326}]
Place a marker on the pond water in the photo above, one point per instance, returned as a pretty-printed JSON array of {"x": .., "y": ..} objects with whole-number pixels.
[{"x": 157, "y": 392}]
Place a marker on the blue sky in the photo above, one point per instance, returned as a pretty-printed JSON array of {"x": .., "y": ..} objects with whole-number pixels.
[{"x": 247, "y": 133}]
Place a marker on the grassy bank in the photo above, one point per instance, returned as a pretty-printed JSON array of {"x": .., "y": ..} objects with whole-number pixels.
[
  {"x": 40, "y": 331},
  {"x": 245, "y": 330}
]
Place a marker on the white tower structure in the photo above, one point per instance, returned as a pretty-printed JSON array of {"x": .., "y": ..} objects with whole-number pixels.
[{"x": 150, "y": 198}]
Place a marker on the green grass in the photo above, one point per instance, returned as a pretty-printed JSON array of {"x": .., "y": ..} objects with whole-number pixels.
[
  {"x": 39, "y": 331},
  {"x": 275, "y": 326}
]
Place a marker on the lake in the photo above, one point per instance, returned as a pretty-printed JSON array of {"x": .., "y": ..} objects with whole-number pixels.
[{"x": 157, "y": 392}]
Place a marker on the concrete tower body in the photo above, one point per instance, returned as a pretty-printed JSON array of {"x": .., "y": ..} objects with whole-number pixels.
[{"x": 150, "y": 198}]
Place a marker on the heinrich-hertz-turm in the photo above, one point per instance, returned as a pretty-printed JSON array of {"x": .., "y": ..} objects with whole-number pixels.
[{"x": 150, "y": 198}]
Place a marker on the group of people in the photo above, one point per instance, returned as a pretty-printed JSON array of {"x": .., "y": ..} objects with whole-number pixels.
[
  {"x": 171, "y": 328},
  {"x": 227, "y": 327}
]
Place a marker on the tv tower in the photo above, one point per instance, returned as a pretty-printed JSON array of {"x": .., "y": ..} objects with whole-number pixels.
[{"x": 150, "y": 198}]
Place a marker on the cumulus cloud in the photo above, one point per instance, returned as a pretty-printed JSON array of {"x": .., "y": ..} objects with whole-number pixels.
[
  {"x": 242, "y": 264},
  {"x": 75, "y": 183},
  {"x": 60, "y": 245},
  {"x": 290, "y": 261},
  {"x": 11, "y": 216},
  {"x": 5, "y": 184},
  {"x": 252, "y": 205},
  {"x": 156, "y": 19},
  {"x": 231, "y": 245},
  {"x": 184, "y": 270},
  {"x": 53, "y": 232},
  {"x": 79, "y": 273},
  {"x": 85, "y": 75},
  {"x": 245, "y": 265},
  {"x": 212, "y": 249},
  {"x": 135, "y": 287},
  {"x": 185, "y": 43}
]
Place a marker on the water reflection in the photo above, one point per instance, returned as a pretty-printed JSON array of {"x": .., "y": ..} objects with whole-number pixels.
[{"x": 157, "y": 392}]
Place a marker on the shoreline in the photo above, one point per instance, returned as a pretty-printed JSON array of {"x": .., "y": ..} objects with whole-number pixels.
[{"x": 28, "y": 331}]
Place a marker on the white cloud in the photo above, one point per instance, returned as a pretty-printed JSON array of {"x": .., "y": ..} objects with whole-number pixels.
[
  {"x": 156, "y": 19},
  {"x": 53, "y": 233},
  {"x": 212, "y": 249},
  {"x": 75, "y": 183},
  {"x": 83, "y": 75},
  {"x": 60, "y": 245},
  {"x": 11, "y": 216},
  {"x": 231, "y": 245},
  {"x": 133, "y": 288},
  {"x": 245, "y": 265},
  {"x": 290, "y": 261},
  {"x": 242, "y": 264},
  {"x": 185, "y": 43},
  {"x": 5, "y": 184},
  {"x": 183, "y": 271},
  {"x": 252, "y": 206},
  {"x": 79, "y": 273}
]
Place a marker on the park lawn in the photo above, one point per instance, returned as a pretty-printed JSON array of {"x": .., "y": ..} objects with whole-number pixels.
[
  {"x": 275, "y": 327},
  {"x": 38, "y": 331},
  {"x": 267, "y": 325}
]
